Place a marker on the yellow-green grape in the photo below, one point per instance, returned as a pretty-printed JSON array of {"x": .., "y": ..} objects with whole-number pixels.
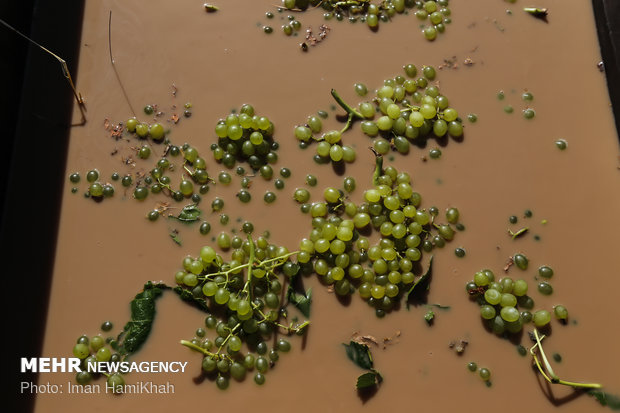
[
  {"x": 336, "y": 153},
  {"x": 332, "y": 136},
  {"x": 485, "y": 374},
  {"x": 487, "y": 312},
  {"x": 131, "y": 124},
  {"x": 142, "y": 130},
  {"x": 95, "y": 189},
  {"x": 450, "y": 114},
  {"x": 103, "y": 354},
  {"x": 481, "y": 279},
  {"x": 508, "y": 300},
  {"x": 430, "y": 33},
  {"x": 519, "y": 288},
  {"x": 186, "y": 187},
  {"x": 416, "y": 119},
  {"x": 377, "y": 291},
  {"x": 81, "y": 351},
  {"x": 560, "y": 312},
  {"x": 303, "y": 133},
  {"x": 509, "y": 314},
  {"x": 541, "y": 318},
  {"x": 156, "y": 131},
  {"x": 491, "y": 295}
]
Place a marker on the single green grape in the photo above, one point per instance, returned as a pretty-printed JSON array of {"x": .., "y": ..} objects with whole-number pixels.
[
  {"x": 545, "y": 271},
  {"x": 545, "y": 288},
  {"x": 560, "y": 312},
  {"x": 92, "y": 175},
  {"x": 485, "y": 374},
  {"x": 541, "y": 318},
  {"x": 520, "y": 261}
]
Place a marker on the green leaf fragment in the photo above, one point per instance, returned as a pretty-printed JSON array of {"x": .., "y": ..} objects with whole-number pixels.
[
  {"x": 188, "y": 297},
  {"x": 369, "y": 379},
  {"x": 605, "y": 399},
  {"x": 536, "y": 12},
  {"x": 423, "y": 284},
  {"x": 174, "y": 234},
  {"x": 189, "y": 213},
  {"x": 359, "y": 354},
  {"x": 301, "y": 301},
  {"x": 136, "y": 330}
]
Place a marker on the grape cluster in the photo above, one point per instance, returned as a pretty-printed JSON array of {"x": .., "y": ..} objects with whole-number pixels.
[
  {"x": 96, "y": 189},
  {"x": 194, "y": 179},
  {"x": 483, "y": 372},
  {"x": 505, "y": 305},
  {"x": 223, "y": 356},
  {"x": 245, "y": 137},
  {"x": 438, "y": 15},
  {"x": 245, "y": 305},
  {"x": 143, "y": 130},
  {"x": 156, "y": 180},
  {"x": 92, "y": 351},
  {"x": 373, "y": 13},
  {"x": 411, "y": 110},
  {"x": 340, "y": 251},
  {"x": 330, "y": 147},
  {"x": 193, "y": 182}
]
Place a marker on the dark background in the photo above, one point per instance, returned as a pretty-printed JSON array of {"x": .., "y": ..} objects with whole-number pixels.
[{"x": 36, "y": 113}]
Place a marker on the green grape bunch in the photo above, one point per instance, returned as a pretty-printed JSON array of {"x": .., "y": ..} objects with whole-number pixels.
[
  {"x": 407, "y": 110},
  {"x": 505, "y": 306},
  {"x": 243, "y": 299},
  {"x": 436, "y": 13},
  {"x": 245, "y": 137},
  {"x": 339, "y": 250},
  {"x": 94, "y": 350}
]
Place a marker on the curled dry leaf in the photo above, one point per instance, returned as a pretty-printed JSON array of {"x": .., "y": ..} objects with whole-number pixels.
[{"x": 364, "y": 339}]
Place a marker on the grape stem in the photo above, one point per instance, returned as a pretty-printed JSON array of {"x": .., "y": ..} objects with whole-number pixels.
[
  {"x": 520, "y": 232},
  {"x": 194, "y": 347},
  {"x": 192, "y": 173},
  {"x": 247, "y": 265},
  {"x": 552, "y": 377},
  {"x": 378, "y": 167},
  {"x": 353, "y": 114}
]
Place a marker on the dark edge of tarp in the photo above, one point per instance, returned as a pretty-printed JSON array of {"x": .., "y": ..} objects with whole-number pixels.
[
  {"x": 607, "y": 18},
  {"x": 38, "y": 105}
]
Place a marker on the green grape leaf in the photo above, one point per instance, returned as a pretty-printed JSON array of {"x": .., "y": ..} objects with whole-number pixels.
[
  {"x": 605, "y": 399},
  {"x": 369, "y": 379},
  {"x": 359, "y": 354},
  {"x": 137, "y": 330},
  {"x": 301, "y": 301},
  {"x": 422, "y": 285},
  {"x": 189, "y": 213},
  {"x": 174, "y": 234},
  {"x": 188, "y": 297}
]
